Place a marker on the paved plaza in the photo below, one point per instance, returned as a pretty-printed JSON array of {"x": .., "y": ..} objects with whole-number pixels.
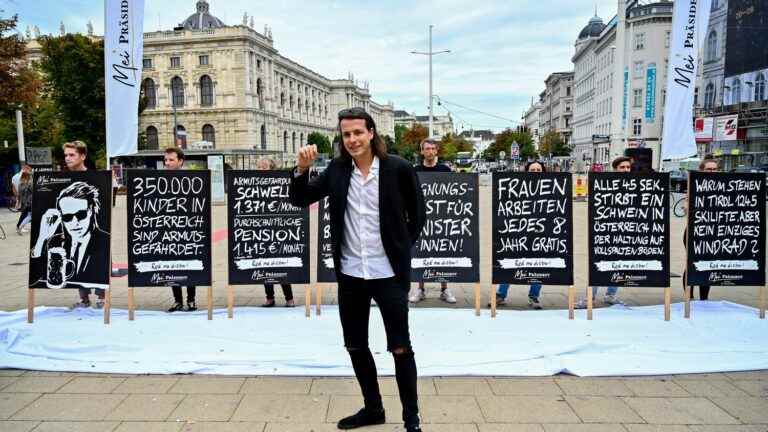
[{"x": 45, "y": 401}]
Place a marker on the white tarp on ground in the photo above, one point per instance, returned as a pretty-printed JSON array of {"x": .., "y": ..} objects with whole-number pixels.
[{"x": 721, "y": 336}]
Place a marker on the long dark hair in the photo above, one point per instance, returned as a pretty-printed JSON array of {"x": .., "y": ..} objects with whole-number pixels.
[{"x": 378, "y": 146}]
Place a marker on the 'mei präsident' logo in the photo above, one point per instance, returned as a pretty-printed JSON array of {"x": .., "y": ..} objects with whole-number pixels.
[
  {"x": 623, "y": 277},
  {"x": 720, "y": 277},
  {"x": 160, "y": 278},
  {"x": 44, "y": 181},
  {"x": 527, "y": 275},
  {"x": 124, "y": 70},
  {"x": 261, "y": 275},
  {"x": 432, "y": 274}
]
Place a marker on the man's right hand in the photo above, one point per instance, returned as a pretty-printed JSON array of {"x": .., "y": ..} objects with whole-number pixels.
[
  {"x": 305, "y": 158},
  {"x": 49, "y": 223}
]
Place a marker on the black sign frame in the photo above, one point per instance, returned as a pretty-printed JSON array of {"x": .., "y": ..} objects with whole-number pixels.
[
  {"x": 609, "y": 269},
  {"x": 697, "y": 230},
  {"x": 244, "y": 268},
  {"x": 186, "y": 196},
  {"x": 549, "y": 267}
]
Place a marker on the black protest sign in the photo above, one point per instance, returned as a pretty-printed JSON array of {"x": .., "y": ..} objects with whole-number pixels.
[
  {"x": 268, "y": 236},
  {"x": 448, "y": 249},
  {"x": 325, "y": 270},
  {"x": 726, "y": 229},
  {"x": 70, "y": 237},
  {"x": 169, "y": 228},
  {"x": 628, "y": 229},
  {"x": 532, "y": 228}
]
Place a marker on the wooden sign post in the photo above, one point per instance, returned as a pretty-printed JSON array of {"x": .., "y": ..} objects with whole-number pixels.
[
  {"x": 107, "y": 306},
  {"x": 667, "y": 303},
  {"x": 762, "y": 302},
  {"x": 131, "y": 304},
  {"x": 590, "y": 300},
  {"x": 308, "y": 300},
  {"x": 319, "y": 298},
  {"x": 571, "y": 302},
  {"x": 210, "y": 303},
  {"x": 31, "y": 305},
  {"x": 230, "y": 301},
  {"x": 492, "y": 296},
  {"x": 532, "y": 228}
]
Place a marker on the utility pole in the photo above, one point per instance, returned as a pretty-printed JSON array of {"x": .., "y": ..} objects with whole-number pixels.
[
  {"x": 430, "y": 54},
  {"x": 20, "y": 137}
]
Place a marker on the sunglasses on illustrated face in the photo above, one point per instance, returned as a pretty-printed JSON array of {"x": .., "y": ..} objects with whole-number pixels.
[{"x": 81, "y": 215}]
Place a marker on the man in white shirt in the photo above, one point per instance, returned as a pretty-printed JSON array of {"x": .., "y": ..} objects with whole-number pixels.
[{"x": 376, "y": 214}]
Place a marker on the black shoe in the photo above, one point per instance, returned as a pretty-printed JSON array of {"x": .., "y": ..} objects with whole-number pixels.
[
  {"x": 268, "y": 303},
  {"x": 416, "y": 428},
  {"x": 364, "y": 417},
  {"x": 191, "y": 306},
  {"x": 177, "y": 307}
]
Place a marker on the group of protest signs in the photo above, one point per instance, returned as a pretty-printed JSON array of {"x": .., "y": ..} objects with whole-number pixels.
[{"x": 169, "y": 222}]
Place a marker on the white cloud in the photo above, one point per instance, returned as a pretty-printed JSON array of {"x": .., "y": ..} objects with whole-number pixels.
[{"x": 501, "y": 51}]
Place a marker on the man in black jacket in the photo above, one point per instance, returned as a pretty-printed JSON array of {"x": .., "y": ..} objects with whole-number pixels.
[{"x": 377, "y": 212}]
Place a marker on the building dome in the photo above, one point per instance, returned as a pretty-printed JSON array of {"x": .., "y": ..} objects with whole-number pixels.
[
  {"x": 202, "y": 19},
  {"x": 593, "y": 28}
]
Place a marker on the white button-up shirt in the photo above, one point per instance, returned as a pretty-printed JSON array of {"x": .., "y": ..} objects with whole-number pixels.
[{"x": 362, "y": 252}]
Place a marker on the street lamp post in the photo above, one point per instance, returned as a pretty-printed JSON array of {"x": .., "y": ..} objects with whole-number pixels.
[{"x": 430, "y": 54}]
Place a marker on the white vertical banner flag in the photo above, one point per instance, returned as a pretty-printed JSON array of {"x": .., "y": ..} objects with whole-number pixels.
[
  {"x": 123, "y": 50},
  {"x": 690, "y": 19}
]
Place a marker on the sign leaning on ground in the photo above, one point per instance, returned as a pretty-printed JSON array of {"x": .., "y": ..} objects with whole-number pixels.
[
  {"x": 448, "y": 249},
  {"x": 268, "y": 236},
  {"x": 325, "y": 266},
  {"x": 532, "y": 228},
  {"x": 726, "y": 229},
  {"x": 169, "y": 228},
  {"x": 70, "y": 237},
  {"x": 629, "y": 229}
]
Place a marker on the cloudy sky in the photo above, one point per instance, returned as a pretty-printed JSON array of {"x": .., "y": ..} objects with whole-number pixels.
[{"x": 501, "y": 51}]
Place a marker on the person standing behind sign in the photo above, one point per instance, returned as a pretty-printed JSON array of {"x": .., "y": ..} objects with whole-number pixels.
[
  {"x": 264, "y": 164},
  {"x": 25, "y": 199},
  {"x": 174, "y": 160},
  {"x": 376, "y": 212},
  {"x": 429, "y": 163},
  {"x": 535, "y": 290},
  {"x": 708, "y": 164},
  {"x": 621, "y": 164},
  {"x": 15, "y": 182},
  {"x": 75, "y": 155}
]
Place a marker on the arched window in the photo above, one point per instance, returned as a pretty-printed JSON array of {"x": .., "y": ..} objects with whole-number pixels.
[
  {"x": 152, "y": 141},
  {"x": 709, "y": 96},
  {"x": 285, "y": 141},
  {"x": 736, "y": 92},
  {"x": 712, "y": 46},
  {"x": 282, "y": 100},
  {"x": 209, "y": 134},
  {"x": 301, "y": 140},
  {"x": 290, "y": 103},
  {"x": 263, "y": 137},
  {"x": 150, "y": 94},
  {"x": 298, "y": 102},
  {"x": 259, "y": 93},
  {"x": 760, "y": 87},
  {"x": 715, "y": 4},
  {"x": 181, "y": 136},
  {"x": 294, "y": 142},
  {"x": 206, "y": 91},
  {"x": 177, "y": 92}
]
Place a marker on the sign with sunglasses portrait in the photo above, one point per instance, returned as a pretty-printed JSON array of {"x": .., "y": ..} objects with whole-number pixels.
[
  {"x": 70, "y": 238},
  {"x": 169, "y": 228}
]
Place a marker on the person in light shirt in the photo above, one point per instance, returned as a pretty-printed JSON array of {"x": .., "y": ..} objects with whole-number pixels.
[{"x": 376, "y": 214}]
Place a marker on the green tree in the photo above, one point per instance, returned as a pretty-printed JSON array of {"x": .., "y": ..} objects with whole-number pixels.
[
  {"x": 321, "y": 141},
  {"x": 504, "y": 142},
  {"x": 552, "y": 143},
  {"x": 451, "y": 144},
  {"x": 73, "y": 78},
  {"x": 18, "y": 83},
  {"x": 412, "y": 137},
  {"x": 399, "y": 132}
]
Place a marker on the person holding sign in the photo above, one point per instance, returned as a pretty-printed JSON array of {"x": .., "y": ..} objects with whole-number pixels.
[
  {"x": 75, "y": 154},
  {"x": 376, "y": 211},
  {"x": 429, "y": 163},
  {"x": 621, "y": 164},
  {"x": 174, "y": 160},
  {"x": 535, "y": 290},
  {"x": 266, "y": 164},
  {"x": 708, "y": 164}
]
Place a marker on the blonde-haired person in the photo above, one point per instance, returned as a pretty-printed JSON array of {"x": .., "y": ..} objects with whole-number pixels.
[{"x": 264, "y": 164}]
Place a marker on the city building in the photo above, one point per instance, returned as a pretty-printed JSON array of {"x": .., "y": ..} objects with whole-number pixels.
[
  {"x": 620, "y": 71},
  {"x": 732, "y": 91},
  {"x": 441, "y": 124},
  {"x": 556, "y": 111},
  {"x": 531, "y": 121},
  {"x": 481, "y": 139}
]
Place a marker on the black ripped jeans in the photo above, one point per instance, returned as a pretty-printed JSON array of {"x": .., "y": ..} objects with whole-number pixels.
[{"x": 391, "y": 296}]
